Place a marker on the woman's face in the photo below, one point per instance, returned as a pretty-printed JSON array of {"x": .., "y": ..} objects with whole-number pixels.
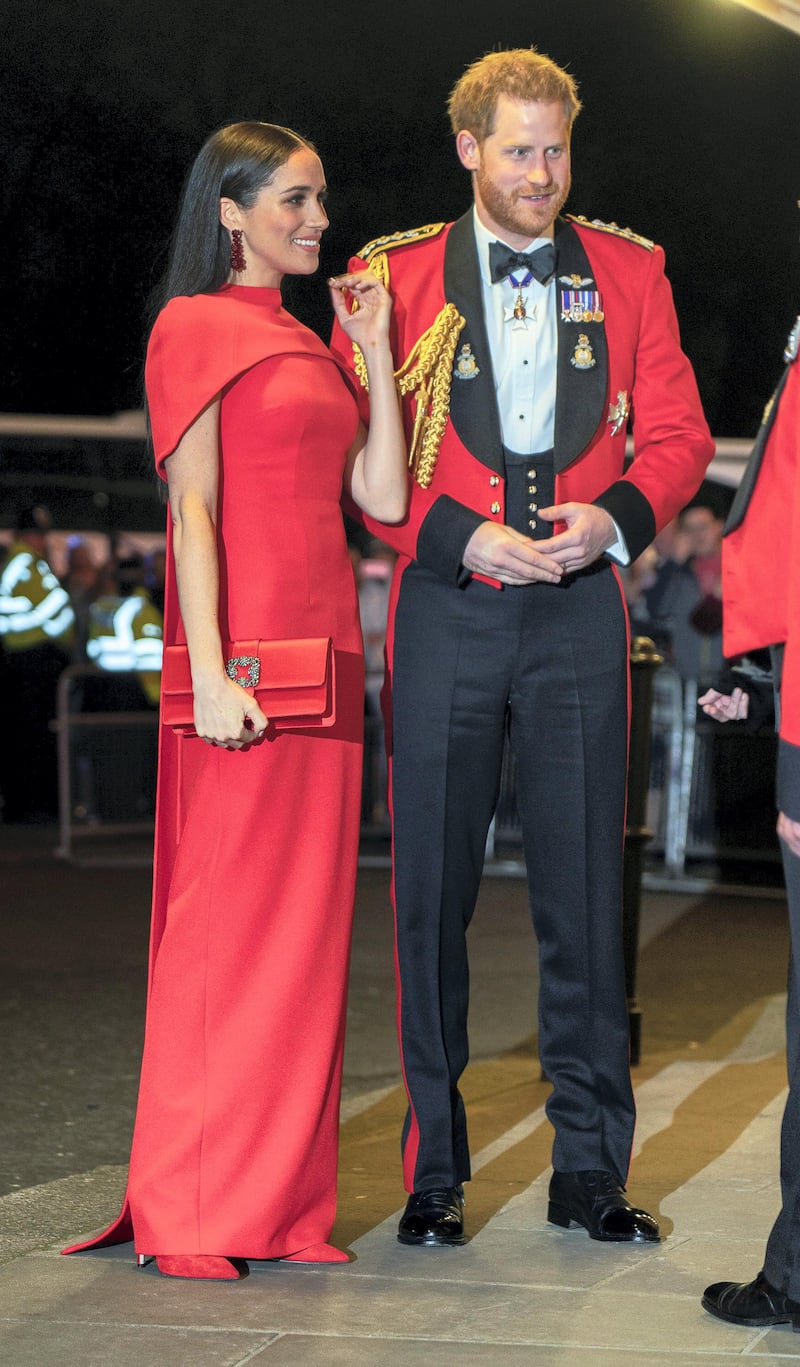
[{"x": 281, "y": 232}]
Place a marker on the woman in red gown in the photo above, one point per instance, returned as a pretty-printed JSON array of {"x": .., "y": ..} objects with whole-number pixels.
[{"x": 256, "y": 432}]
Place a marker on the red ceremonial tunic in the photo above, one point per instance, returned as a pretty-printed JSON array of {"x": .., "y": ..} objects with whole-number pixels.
[{"x": 761, "y": 574}]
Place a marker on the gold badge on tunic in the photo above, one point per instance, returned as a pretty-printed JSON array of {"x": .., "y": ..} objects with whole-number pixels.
[
  {"x": 466, "y": 367},
  {"x": 583, "y": 357}
]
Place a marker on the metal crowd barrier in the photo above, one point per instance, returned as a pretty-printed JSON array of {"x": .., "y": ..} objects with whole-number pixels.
[
  {"x": 106, "y": 766},
  {"x": 709, "y": 795}
]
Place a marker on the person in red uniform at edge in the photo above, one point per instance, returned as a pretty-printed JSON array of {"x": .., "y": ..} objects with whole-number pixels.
[
  {"x": 542, "y": 334},
  {"x": 256, "y": 431},
  {"x": 761, "y": 607}
]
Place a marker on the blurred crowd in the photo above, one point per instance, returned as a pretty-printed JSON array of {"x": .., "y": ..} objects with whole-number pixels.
[
  {"x": 105, "y": 614},
  {"x": 674, "y": 592},
  {"x": 108, "y": 613}
]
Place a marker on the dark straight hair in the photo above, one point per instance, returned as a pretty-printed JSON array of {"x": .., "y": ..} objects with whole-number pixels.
[{"x": 235, "y": 163}]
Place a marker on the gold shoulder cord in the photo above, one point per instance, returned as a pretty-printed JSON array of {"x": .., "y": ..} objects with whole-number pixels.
[
  {"x": 428, "y": 371},
  {"x": 379, "y": 265}
]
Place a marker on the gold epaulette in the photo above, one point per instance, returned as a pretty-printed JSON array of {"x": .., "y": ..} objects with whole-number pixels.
[
  {"x": 382, "y": 244},
  {"x": 614, "y": 229}
]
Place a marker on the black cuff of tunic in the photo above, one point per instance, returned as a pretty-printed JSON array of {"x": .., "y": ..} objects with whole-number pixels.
[
  {"x": 632, "y": 514},
  {"x": 443, "y": 538}
]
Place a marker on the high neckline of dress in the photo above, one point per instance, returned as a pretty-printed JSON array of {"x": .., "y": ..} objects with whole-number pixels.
[{"x": 269, "y": 295}]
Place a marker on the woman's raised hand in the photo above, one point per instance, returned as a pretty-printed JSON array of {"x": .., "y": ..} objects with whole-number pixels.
[{"x": 369, "y": 322}]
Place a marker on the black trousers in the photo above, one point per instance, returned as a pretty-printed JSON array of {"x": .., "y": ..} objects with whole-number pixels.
[
  {"x": 547, "y": 665},
  {"x": 782, "y": 1259}
]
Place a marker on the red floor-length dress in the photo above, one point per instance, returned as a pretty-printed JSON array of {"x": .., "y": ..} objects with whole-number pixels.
[{"x": 235, "y": 1144}]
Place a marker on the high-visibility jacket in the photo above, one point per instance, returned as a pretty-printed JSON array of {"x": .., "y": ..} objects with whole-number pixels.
[
  {"x": 34, "y": 607},
  {"x": 126, "y": 633}
]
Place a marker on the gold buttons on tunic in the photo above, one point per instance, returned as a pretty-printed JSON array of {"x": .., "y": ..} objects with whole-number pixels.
[
  {"x": 532, "y": 507},
  {"x": 495, "y": 508},
  {"x": 494, "y": 479}
]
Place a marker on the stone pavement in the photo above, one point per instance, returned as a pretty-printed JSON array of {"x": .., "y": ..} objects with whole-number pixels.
[{"x": 520, "y": 1293}]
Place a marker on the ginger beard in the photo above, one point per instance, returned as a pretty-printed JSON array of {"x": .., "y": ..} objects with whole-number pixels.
[{"x": 520, "y": 212}]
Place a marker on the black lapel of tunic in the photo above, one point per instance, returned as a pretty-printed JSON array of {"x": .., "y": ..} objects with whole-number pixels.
[
  {"x": 473, "y": 401},
  {"x": 581, "y": 394},
  {"x": 748, "y": 481}
]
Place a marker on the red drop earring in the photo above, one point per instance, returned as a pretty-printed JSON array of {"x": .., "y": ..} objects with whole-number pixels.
[{"x": 238, "y": 262}]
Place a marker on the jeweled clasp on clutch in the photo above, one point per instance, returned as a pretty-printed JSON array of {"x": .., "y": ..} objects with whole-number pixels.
[{"x": 244, "y": 670}]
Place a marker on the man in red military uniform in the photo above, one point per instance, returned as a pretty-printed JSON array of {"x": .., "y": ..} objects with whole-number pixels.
[
  {"x": 761, "y": 602},
  {"x": 524, "y": 341}
]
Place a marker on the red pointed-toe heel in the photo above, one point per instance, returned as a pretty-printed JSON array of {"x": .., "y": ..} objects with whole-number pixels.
[
  {"x": 202, "y": 1267},
  {"x": 316, "y": 1253}
]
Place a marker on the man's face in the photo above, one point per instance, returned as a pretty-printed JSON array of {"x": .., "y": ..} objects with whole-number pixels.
[{"x": 521, "y": 170}]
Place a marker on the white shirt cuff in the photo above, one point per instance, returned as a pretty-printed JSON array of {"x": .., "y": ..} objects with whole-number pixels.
[{"x": 619, "y": 552}]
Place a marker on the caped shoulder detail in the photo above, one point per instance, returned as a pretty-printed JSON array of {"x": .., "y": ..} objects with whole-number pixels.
[{"x": 200, "y": 344}]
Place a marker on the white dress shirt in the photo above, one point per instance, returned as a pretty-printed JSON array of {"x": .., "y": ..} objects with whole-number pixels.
[{"x": 524, "y": 359}]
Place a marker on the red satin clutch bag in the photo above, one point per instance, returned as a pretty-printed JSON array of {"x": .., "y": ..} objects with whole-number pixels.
[{"x": 292, "y": 681}]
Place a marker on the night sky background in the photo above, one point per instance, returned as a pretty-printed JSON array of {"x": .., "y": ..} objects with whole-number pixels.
[{"x": 689, "y": 135}]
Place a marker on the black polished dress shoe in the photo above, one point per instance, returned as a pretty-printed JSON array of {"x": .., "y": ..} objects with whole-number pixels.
[
  {"x": 434, "y": 1218},
  {"x": 756, "y": 1304},
  {"x": 597, "y": 1201}
]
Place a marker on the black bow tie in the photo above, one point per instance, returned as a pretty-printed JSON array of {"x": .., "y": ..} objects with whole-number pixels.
[{"x": 502, "y": 261}]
